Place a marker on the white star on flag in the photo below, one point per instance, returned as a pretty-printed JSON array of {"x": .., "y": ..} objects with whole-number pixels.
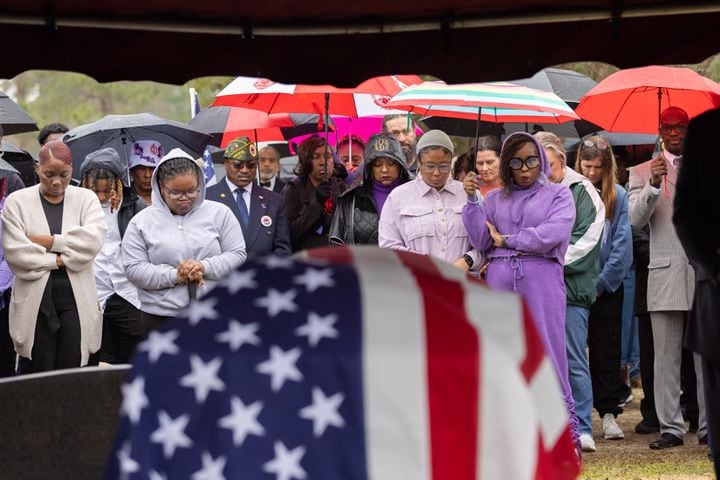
[
  {"x": 201, "y": 309},
  {"x": 239, "y": 334},
  {"x": 211, "y": 469},
  {"x": 281, "y": 366},
  {"x": 236, "y": 281},
  {"x": 203, "y": 377},
  {"x": 273, "y": 261},
  {"x": 313, "y": 279},
  {"x": 317, "y": 328},
  {"x": 276, "y": 302},
  {"x": 126, "y": 463},
  {"x": 134, "y": 399},
  {"x": 153, "y": 475},
  {"x": 159, "y": 343},
  {"x": 171, "y": 433},
  {"x": 323, "y": 411},
  {"x": 286, "y": 464},
  {"x": 243, "y": 420}
]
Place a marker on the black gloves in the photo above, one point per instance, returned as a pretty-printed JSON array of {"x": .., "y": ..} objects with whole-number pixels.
[{"x": 323, "y": 191}]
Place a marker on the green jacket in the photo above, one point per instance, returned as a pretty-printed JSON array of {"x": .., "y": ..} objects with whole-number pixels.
[{"x": 582, "y": 260}]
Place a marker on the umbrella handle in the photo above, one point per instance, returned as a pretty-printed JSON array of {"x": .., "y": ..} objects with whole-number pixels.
[{"x": 192, "y": 290}]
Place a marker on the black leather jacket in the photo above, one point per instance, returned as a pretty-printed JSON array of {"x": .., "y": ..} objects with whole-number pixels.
[{"x": 356, "y": 218}]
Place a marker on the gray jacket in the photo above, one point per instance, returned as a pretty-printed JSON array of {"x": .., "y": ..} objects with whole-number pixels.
[{"x": 156, "y": 241}]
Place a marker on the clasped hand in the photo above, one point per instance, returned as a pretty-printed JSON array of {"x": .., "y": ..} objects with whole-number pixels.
[
  {"x": 498, "y": 239},
  {"x": 191, "y": 271}
]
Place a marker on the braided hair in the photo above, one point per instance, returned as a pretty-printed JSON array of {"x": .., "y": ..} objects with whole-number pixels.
[{"x": 90, "y": 179}]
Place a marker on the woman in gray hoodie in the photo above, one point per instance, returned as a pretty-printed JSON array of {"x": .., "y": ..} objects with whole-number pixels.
[{"x": 178, "y": 240}]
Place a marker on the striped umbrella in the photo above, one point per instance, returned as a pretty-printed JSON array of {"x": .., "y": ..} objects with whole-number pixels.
[{"x": 494, "y": 102}]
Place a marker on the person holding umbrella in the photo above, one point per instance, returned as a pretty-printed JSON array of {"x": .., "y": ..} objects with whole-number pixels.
[
  {"x": 671, "y": 279},
  {"x": 102, "y": 172},
  {"x": 180, "y": 239},
  {"x": 524, "y": 230},
  {"x": 51, "y": 234},
  {"x": 310, "y": 198}
]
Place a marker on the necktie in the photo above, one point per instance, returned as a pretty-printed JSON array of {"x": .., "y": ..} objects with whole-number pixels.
[
  {"x": 244, "y": 215},
  {"x": 265, "y": 184},
  {"x": 678, "y": 163}
]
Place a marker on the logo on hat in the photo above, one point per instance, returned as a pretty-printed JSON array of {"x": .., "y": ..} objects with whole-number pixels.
[
  {"x": 262, "y": 83},
  {"x": 382, "y": 144}
]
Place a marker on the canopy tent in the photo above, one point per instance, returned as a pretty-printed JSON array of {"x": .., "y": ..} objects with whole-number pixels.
[{"x": 174, "y": 41}]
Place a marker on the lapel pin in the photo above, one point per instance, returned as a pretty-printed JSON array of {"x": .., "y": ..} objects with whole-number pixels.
[
  {"x": 266, "y": 221},
  {"x": 222, "y": 195}
]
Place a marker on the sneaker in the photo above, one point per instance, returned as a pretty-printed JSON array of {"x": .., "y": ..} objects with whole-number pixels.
[
  {"x": 610, "y": 428},
  {"x": 587, "y": 443},
  {"x": 626, "y": 400}
]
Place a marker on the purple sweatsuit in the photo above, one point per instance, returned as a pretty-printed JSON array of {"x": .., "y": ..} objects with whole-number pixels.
[{"x": 539, "y": 221}]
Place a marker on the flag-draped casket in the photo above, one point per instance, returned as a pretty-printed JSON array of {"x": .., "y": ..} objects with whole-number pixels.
[{"x": 348, "y": 363}]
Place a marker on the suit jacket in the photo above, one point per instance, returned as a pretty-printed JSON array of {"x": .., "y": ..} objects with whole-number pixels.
[
  {"x": 671, "y": 280},
  {"x": 697, "y": 220},
  {"x": 279, "y": 185},
  {"x": 260, "y": 238}
]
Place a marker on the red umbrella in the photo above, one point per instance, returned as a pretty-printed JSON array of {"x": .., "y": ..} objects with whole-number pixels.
[
  {"x": 271, "y": 97},
  {"x": 631, "y": 100}
]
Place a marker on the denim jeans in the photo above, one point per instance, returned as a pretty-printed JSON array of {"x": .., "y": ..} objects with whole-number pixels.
[
  {"x": 576, "y": 332},
  {"x": 630, "y": 346}
]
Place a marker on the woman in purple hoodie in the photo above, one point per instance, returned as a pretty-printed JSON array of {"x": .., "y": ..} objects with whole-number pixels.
[{"x": 524, "y": 230}]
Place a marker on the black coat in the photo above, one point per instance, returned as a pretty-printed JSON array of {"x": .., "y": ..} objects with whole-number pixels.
[
  {"x": 308, "y": 221},
  {"x": 696, "y": 215},
  {"x": 356, "y": 218},
  {"x": 267, "y": 230},
  {"x": 131, "y": 205}
]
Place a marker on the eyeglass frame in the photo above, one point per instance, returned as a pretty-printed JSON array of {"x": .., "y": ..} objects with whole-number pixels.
[
  {"x": 524, "y": 162},
  {"x": 431, "y": 167},
  {"x": 239, "y": 164},
  {"x": 679, "y": 128},
  {"x": 191, "y": 195},
  {"x": 600, "y": 146}
]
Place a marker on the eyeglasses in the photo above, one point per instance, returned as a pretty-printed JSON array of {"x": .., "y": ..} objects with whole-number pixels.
[
  {"x": 431, "y": 167},
  {"x": 667, "y": 129},
  {"x": 599, "y": 144},
  {"x": 250, "y": 165},
  {"x": 191, "y": 195},
  {"x": 530, "y": 162}
]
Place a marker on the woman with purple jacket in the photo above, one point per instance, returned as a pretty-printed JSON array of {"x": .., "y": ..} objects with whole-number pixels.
[{"x": 524, "y": 230}]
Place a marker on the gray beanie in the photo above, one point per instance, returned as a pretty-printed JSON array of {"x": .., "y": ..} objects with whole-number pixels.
[{"x": 435, "y": 138}]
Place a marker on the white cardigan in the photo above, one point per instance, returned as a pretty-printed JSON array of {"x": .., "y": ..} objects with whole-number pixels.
[{"x": 83, "y": 233}]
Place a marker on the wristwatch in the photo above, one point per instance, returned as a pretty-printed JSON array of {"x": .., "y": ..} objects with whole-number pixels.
[{"x": 468, "y": 259}]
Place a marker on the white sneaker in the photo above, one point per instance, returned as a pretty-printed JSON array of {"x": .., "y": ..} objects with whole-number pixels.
[
  {"x": 587, "y": 443},
  {"x": 610, "y": 428}
]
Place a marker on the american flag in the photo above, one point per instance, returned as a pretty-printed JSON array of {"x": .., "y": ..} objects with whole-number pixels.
[{"x": 348, "y": 363}]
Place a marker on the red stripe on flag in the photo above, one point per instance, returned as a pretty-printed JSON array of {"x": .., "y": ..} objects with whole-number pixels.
[
  {"x": 534, "y": 349},
  {"x": 335, "y": 255},
  {"x": 558, "y": 462},
  {"x": 453, "y": 369}
]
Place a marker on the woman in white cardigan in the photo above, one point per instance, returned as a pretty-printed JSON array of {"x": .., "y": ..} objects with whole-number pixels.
[{"x": 51, "y": 233}]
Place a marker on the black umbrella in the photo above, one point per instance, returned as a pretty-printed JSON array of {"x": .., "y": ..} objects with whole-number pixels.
[
  {"x": 13, "y": 118},
  {"x": 120, "y": 131},
  {"x": 569, "y": 85},
  {"x": 20, "y": 161},
  {"x": 217, "y": 121}
]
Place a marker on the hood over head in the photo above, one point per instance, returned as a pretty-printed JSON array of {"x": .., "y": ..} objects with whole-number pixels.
[
  {"x": 544, "y": 162},
  {"x": 106, "y": 159},
  {"x": 175, "y": 153},
  {"x": 383, "y": 145}
]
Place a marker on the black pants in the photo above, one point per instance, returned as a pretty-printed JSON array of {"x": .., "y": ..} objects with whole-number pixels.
[
  {"x": 151, "y": 322},
  {"x": 59, "y": 348},
  {"x": 647, "y": 369},
  {"x": 122, "y": 330},
  {"x": 604, "y": 329},
  {"x": 711, "y": 379},
  {"x": 7, "y": 349}
]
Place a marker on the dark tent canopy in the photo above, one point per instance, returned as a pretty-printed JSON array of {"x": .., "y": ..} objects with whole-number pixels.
[{"x": 345, "y": 41}]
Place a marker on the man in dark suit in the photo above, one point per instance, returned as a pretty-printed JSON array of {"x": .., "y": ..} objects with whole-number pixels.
[
  {"x": 261, "y": 213},
  {"x": 696, "y": 216},
  {"x": 269, "y": 166}
]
